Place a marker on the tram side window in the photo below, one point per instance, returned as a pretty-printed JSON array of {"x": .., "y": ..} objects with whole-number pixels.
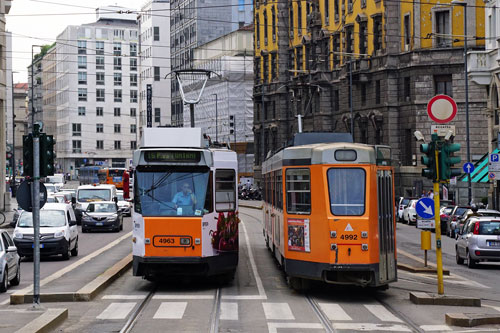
[
  {"x": 298, "y": 191},
  {"x": 225, "y": 190},
  {"x": 347, "y": 191},
  {"x": 137, "y": 198},
  {"x": 279, "y": 190}
]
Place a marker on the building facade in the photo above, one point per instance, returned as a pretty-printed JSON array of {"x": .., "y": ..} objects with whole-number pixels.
[
  {"x": 399, "y": 55},
  {"x": 194, "y": 23},
  {"x": 154, "y": 58},
  {"x": 20, "y": 123},
  {"x": 97, "y": 96}
]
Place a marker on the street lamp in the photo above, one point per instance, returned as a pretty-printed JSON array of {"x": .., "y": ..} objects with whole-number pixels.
[
  {"x": 216, "y": 120},
  {"x": 466, "y": 79},
  {"x": 13, "y": 160}
]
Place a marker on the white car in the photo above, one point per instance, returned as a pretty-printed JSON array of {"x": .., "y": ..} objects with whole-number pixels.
[
  {"x": 10, "y": 270},
  {"x": 58, "y": 231},
  {"x": 123, "y": 204},
  {"x": 410, "y": 213},
  {"x": 92, "y": 193}
]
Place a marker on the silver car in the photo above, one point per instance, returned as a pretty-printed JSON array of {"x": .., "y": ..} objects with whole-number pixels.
[
  {"x": 10, "y": 262},
  {"x": 478, "y": 240}
]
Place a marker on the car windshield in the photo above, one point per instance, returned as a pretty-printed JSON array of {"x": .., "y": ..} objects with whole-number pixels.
[
  {"x": 1, "y": 246},
  {"x": 120, "y": 197},
  {"x": 489, "y": 228},
  {"x": 50, "y": 187},
  {"x": 48, "y": 218},
  {"x": 448, "y": 210},
  {"x": 405, "y": 202},
  {"x": 460, "y": 211},
  {"x": 94, "y": 194},
  {"x": 167, "y": 191},
  {"x": 101, "y": 208}
]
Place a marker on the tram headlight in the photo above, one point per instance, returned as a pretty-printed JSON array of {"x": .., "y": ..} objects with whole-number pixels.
[
  {"x": 364, "y": 247},
  {"x": 185, "y": 241}
]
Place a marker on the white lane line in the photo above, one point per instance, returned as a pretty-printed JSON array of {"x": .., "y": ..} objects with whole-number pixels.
[
  {"x": 74, "y": 265},
  {"x": 125, "y": 297},
  {"x": 228, "y": 311},
  {"x": 7, "y": 301},
  {"x": 370, "y": 327},
  {"x": 273, "y": 327},
  {"x": 189, "y": 297},
  {"x": 435, "y": 328},
  {"x": 170, "y": 310},
  {"x": 278, "y": 311},
  {"x": 497, "y": 308},
  {"x": 382, "y": 313},
  {"x": 244, "y": 297},
  {"x": 117, "y": 311},
  {"x": 334, "y": 311}
]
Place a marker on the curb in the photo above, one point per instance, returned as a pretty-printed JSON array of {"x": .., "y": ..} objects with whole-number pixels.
[
  {"x": 471, "y": 319},
  {"x": 85, "y": 294},
  {"x": 434, "y": 299},
  {"x": 428, "y": 270},
  {"x": 46, "y": 322}
]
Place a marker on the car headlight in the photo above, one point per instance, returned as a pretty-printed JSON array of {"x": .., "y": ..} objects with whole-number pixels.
[
  {"x": 112, "y": 218},
  {"x": 59, "y": 234},
  {"x": 18, "y": 235},
  {"x": 79, "y": 206}
]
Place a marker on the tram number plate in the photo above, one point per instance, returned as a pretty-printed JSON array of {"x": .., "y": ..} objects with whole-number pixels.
[
  {"x": 349, "y": 237},
  {"x": 168, "y": 241}
]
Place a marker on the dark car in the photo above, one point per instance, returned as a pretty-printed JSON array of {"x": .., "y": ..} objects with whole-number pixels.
[
  {"x": 453, "y": 219},
  {"x": 445, "y": 216},
  {"x": 102, "y": 215}
]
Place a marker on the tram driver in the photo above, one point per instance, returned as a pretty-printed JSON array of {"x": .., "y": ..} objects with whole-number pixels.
[{"x": 184, "y": 199}]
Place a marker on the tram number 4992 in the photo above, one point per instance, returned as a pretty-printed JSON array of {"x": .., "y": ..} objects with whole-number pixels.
[{"x": 349, "y": 237}]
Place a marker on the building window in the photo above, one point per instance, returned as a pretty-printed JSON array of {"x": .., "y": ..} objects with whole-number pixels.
[
  {"x": 443, "y": 85},
  {"x": 99, "y": 62},
  {"x": 99, "y": 144},
  {"x": 349, "y": 6},
  {"x": 133, "y": 96},
  {"x": 336, "y": 100},
  {"x": 117, "y": 48},
  {"x": 118, "y": 145},
  {"x": 407, "y": 32},
  {"x": 266, "y": 27},
  {"x": 133, "y": 129},
  {"x": 82, "y": 94},
  {"x": 82, "y": 62},
  {"x": 133, "y": 49},
  {"x": 99, "y": 95},
  {"x": 377, "y": 33},
  {"x": 266, "y": 67},
  {"x": 81, "y": 111},
  {"x": 118, "y": 95},
  {"x": 336, "y": 49},
  {"x": 274, "y": 66},
  {"x": 336, "y": 9},
  {"x": 117, "y": 79},
  {"x": 362, "y": 37},
  {"x": 117, "y": 112},
  {"x": 299, "y": 18},
  {"x": 327, "y": 11},
  {"x": 82, "y": 77},
  {"x": 156, "y": 33},
  {"x": 119, "y": 34},
  {"x": 273, "y": 13},
  {"x": 82, "y": 47},
  {"x": 99, "y": 128},
  {"x": 117, "y": 128},
  {"x": 77, "y": 146},
  {"x": 99, "y": 78},
  {"x": 349, "y": 39},
  {"x": 133, "y": 80},
  {"x": 133, "y": 112},
  {"x": 377, "y": 92},
  {"x": 157, "y": 73},
  {"x": 117, "y": 63},
  {"x": 157, "y": 115},
  {"x": 99, "y": 47},
  {"x": 291, "y": 23},
  {"x": 99, "y": 111},
  {"x": 133, "y": 145},
  {"x": 257, "y": 30},
  {"x": 133, "y": 64},
  {"x": 442, "y": 27},
  {"x": 77, "y": 129}
]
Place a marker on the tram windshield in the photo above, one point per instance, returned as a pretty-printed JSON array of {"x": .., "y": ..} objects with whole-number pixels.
[{"x": 168, "y": 191}]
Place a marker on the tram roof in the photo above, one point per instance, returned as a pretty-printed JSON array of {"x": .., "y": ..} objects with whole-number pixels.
[{"x": 328, "y": 153}]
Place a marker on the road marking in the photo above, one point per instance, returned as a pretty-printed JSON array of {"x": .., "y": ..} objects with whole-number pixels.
[
  {"x": 228, "y": 311},
  {"x": 382, "y": 313},
  {"x": 244, "y": 297},
  {"x": 370, "y": 327},
  {"x": 334, "y": 312},
  {"x": 273, "y": 327},
  {"x": 497, "y": 308},
  {"x": 189, "y": 297},
  {"x": 126, "y": 297},
  {"x": 74, "y": 265},
  {"x": 170, "y": 310},
  {"x": 435, "y": 328},
  {"x": 279, "y": 311},
  {"x": 117, "y": 311}
]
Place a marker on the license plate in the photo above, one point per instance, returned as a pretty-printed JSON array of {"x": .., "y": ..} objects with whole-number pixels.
[
  {"x": 494, "y": 243},
  {"x": 99, "y": 224},
  {"x": 41, "y": 246}
]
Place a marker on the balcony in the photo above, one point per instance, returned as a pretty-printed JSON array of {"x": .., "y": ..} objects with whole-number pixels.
[{"x": 480, "y": 65}]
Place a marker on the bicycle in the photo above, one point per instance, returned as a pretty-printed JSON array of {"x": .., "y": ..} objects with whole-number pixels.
[{"x": 2, "y": 218}]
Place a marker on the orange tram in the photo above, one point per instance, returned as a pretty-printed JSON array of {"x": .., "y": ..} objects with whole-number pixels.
[{"x": 329, "y": 211}]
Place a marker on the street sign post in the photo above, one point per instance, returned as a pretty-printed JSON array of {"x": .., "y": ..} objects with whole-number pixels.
[
  {"x": 468, "y": 167},
  {"x": 442, "y": 109},
  {"x": 426, "y": 224}
]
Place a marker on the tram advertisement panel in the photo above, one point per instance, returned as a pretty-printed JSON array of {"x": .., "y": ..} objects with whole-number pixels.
[{"x": 298, "y": 235}]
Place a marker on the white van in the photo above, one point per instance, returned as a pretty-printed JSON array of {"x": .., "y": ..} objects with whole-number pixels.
[
  {"x": 57, "y": 179},
  {"x": 91, "y": 193},
  {"x": 58, "y": 231}
]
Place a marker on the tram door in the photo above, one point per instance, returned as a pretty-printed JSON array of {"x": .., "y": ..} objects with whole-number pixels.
[{"x": 387, "y": 266}]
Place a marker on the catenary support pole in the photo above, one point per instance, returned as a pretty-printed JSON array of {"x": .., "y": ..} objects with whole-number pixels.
[{"x": 439, "y": 252}]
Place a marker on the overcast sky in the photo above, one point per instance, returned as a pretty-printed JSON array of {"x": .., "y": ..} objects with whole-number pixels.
[{"x": 30, "y": 24}]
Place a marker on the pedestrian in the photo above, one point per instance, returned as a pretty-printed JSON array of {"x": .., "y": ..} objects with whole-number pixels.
[
  {"x": 430, "y": 194},
  {"x": 424, "y": 194}
]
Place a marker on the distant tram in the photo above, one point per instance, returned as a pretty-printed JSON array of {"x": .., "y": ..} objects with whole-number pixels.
[
  {"x": 88, "y": 175},
  {"x": 185, "y": 206},
  {"x": 329, "y": 212},
  {"x": 112, "y": 176}
]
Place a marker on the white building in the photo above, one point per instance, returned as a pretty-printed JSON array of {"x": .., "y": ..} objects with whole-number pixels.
[
  {"x": 154, "y": 52},
  {"x": 97, "y": 91}
]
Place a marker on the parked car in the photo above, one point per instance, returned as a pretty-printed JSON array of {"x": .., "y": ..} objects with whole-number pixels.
[
  {"x": 51, "y": 188},
  {"x": 479, "y": 240},
  {"x": 58, "y": 231},
  {"x": 410, "y": 213},
  {"x": 123, "y": 204},
  {"x": 17, "y": 212},
  {"x": 403, "y": 202},
  {"x": 86, "y": 194},
  {"x": 10, "y": 262},
  {"x": 444, "y": 215},
  {"x": 453, "y": 218},
  {"x": 102, "y": 215},
  {"x": 480, "y": 212}
]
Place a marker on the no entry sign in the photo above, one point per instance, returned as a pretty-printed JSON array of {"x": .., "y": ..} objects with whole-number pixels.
[{"x": 442, "y": 109}]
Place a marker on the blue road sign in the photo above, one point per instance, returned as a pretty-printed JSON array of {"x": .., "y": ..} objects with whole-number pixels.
[
  {"x": 468, "y": 167},
  {"x": 425, "y": 208},
  {"x": 494, "y": 158}
]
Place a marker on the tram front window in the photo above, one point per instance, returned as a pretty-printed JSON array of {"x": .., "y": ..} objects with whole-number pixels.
[
  {"x": 172, "y": 191},
  {"x": 347, "y": 191}
]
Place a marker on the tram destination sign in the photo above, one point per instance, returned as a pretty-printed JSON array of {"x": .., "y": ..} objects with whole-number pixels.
[{"x": 174, "y": 156}]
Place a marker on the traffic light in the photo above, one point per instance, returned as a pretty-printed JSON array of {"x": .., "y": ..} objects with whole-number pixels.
[
  {"x": 28, "y": 155},
  {"x": 231, "y": 124},
  {"x": 429, "y": 159},
  {"x": 46, "y": 155},
  {"x": 447, "y": 160}
]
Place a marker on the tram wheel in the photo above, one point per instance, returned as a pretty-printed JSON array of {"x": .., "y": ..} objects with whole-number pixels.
[{"x": 298, "y": 284}]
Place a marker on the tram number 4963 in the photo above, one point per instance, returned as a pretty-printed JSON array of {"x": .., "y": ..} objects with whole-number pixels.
[
  {"x": 165, "y": 240},
  {"x": 349, "y": 237}
]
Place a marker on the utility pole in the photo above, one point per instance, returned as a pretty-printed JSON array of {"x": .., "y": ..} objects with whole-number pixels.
[{"x": 13, "y": 164}]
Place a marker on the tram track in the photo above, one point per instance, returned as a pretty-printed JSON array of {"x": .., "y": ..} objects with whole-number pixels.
[
  {"x": 214, "y": 318},
  {"x": 406, "y": 320},
  {"x": 323, "y": 318},
  {"x": 129, "y": 325}
]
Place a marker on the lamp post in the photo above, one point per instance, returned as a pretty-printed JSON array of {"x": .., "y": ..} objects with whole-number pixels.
[
  {"x": 466, "y": 79},
  {"x": 216, "y": 120}
]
